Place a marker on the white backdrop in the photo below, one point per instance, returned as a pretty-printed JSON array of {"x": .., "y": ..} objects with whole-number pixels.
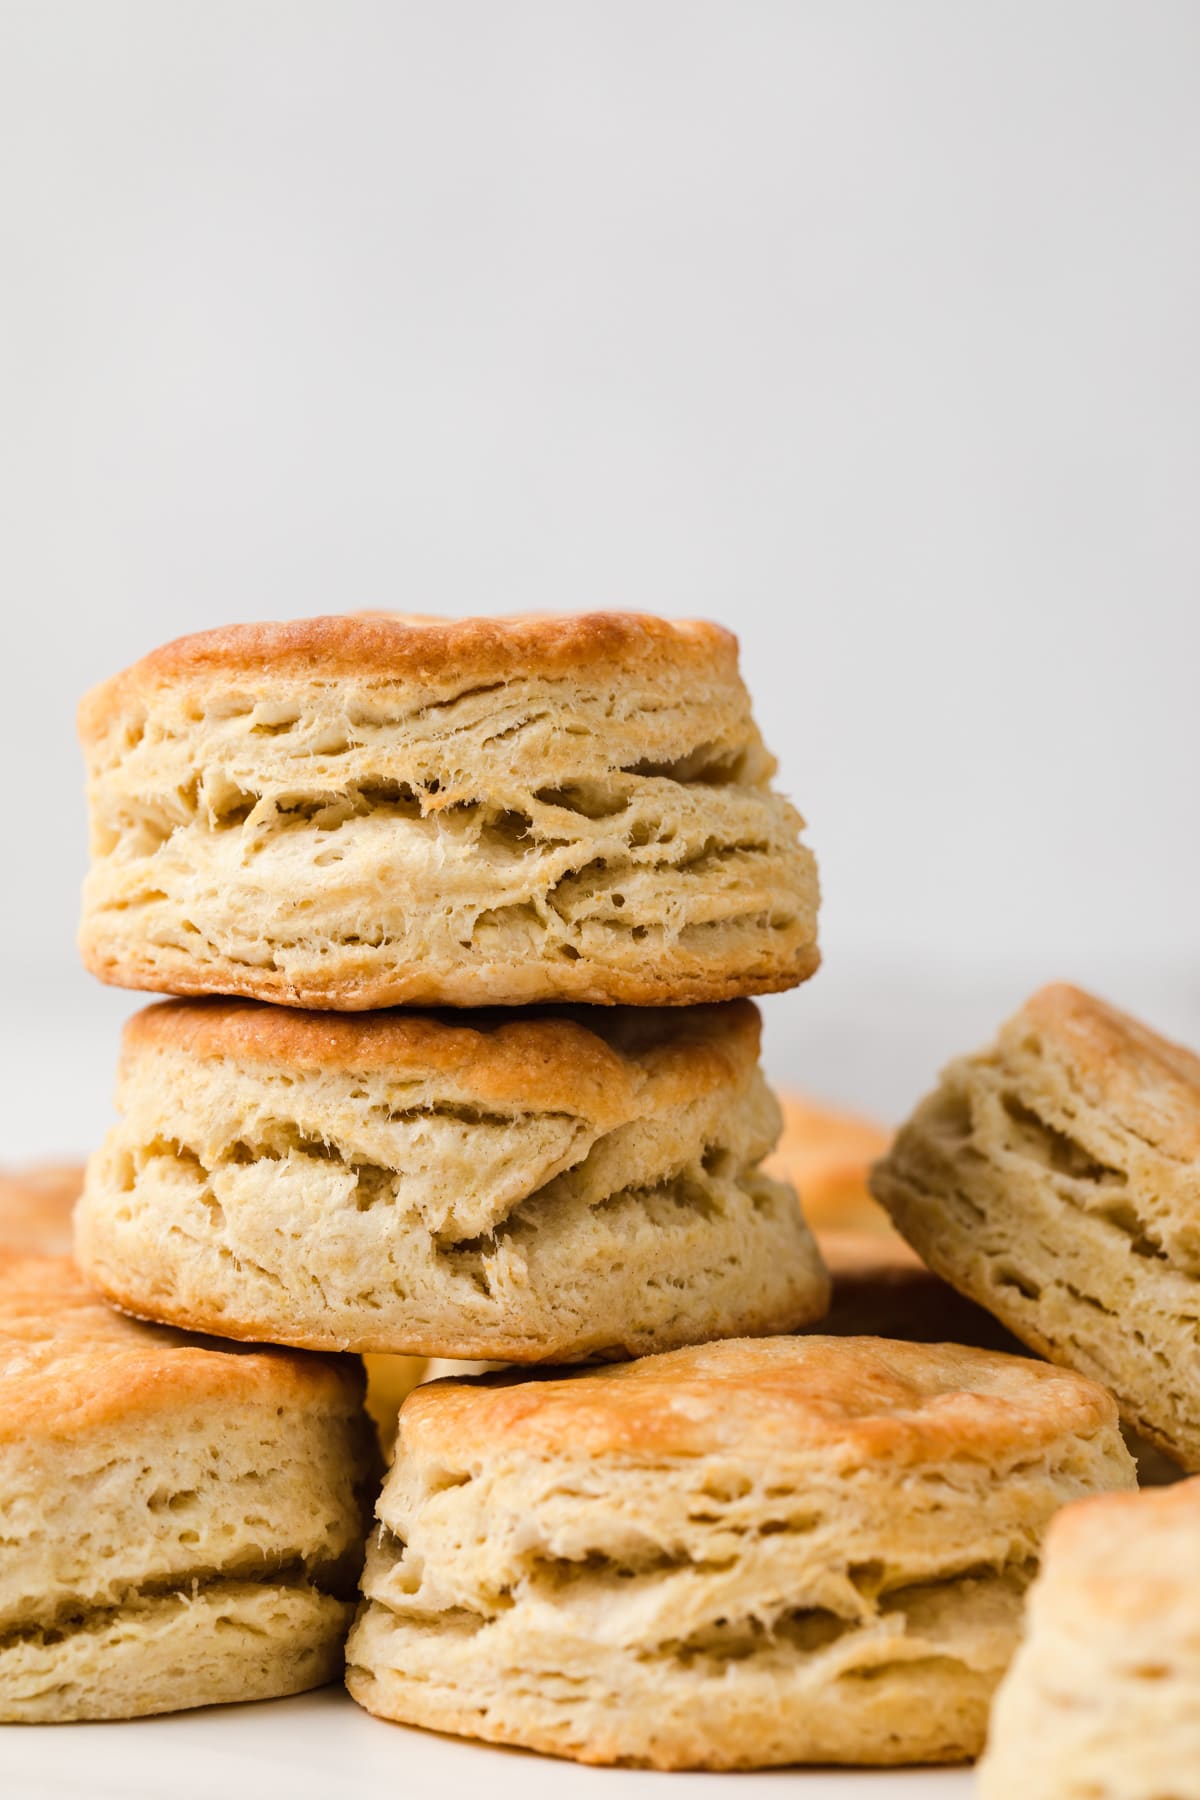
[{"x": 869, "y": 329}]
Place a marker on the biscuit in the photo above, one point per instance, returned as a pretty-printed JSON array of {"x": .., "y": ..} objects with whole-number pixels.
[
  {"x": 826, "y": 1155},
  {"x": 180, "y": 1524},
  {"x": 513, "y": 1187},
  {"x": 374, "y": 811},
  {"x": 765, "y": 1551},
  {"x": 1055, "y": 1179},
  {"x": 36, "y": 1206},
  {"x": 1106, "y": 1684}
]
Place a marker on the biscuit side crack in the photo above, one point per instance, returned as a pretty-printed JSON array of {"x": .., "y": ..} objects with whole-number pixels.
[{"x": 72, "y": 1617}]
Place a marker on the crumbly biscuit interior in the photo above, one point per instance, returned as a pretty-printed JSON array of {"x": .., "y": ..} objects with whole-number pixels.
[
  {"x": 313, "y": 833},
  {"x": 123, "y": 1546}
]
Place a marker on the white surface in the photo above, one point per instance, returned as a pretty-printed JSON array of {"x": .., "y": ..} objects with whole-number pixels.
[{"x": 322, "y": 1745}]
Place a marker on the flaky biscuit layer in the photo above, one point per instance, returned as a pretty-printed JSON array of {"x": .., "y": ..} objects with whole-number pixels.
[
  {"x": 784, "y": 1550},
  {"x": 1055, "y": 1179},
  {"x": 161, "y": 1500},
  {"x": 357, "y": 813},
  {"x": 211, "y": 1644},
  {"x": 512, "y": 1188}
]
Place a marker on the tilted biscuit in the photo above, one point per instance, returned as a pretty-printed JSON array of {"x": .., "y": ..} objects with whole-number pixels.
[
  {"x": 180, "y": 1523},
  {"x": 373, "y": 811},
  {"x": 508, "y": 1186},
  {"x": 1055, "y": 1179},
  {"x": 1106, "y": 1685},
  {"x": 36, "y": 1205},
  {"x": 782, "y": 1550}
]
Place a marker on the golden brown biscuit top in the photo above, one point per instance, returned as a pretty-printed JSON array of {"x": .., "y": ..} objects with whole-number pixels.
[
  {"x": 68, "y": 1362},
  {"x": 864, "y": 1398},
  {"x": 579, "y": 1059},
  {"x": 1128, "y": 1557},
  {"x": 411, "y": 648},
  {"x": 1149, "y": 1083}
]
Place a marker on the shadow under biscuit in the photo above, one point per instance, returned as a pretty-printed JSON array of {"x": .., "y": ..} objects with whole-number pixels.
[{"x": 881, "y": 1288}]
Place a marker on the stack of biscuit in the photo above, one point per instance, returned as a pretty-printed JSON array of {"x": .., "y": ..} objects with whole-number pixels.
[
  {"x": 463, "y": 922},
  {"x": 559, "y": 833}
]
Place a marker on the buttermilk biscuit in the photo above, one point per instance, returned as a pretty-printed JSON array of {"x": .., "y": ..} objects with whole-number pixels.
[
  {"x": 36, "y": 1206},
  {"x": 1055, "y": 1179},
  {"x": 826, "y": 1155},
  {"x": 1103, "y": 1699},
  {"x": 781, "y": 1550},
  {"x": 376, "y": 811},
  {"x": 519, "y": 1187},
  {"x": 180, "y": 1524}
]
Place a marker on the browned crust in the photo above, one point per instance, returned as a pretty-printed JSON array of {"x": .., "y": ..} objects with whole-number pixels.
[
  {"x": 550, "y": 1061},
  {"x": 862, "y": 1397},
  {"x": 605, "y": 1745},
  {"x": 501, "y": 984},
  {"x": 1151, "y": 1085},
  {"x": 68, "y": 1363},
  {"x": 405, "y": 647}
]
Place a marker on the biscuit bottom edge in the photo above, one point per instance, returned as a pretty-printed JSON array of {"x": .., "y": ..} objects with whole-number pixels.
[
  {"x": 204, "y": 1643},
  {"x": 457, "y": 985},
  {"x": 911, "y": 1685}
]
